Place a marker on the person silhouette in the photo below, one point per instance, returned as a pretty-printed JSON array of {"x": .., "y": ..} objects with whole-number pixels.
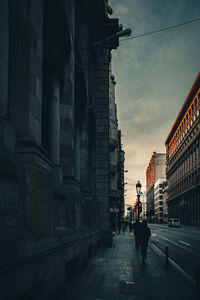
[
  {"x": 145, "y": 234},
  {"x": 136, "y": 229}
]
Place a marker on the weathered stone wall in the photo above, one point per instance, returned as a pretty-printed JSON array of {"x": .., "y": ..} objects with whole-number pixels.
[{"x": 54, "y": 143}]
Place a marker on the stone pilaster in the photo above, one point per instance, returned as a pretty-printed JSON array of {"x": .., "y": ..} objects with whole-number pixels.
[
  {"x": 25, "y": 105},
  {"x": 4, "y": 55},
  {"x": 67, "y": 123},
  {"x": 84, "y": 154},
  {"x": 102, "y": 140},
  {"x": 26, "y": 70},
  {"x": 54, "y": 117},
  {"x": 67, "y": 119},
  {"x": 7, "y": 137}
]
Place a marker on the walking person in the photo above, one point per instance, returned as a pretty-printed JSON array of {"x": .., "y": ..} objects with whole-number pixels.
[
  {"x": 130, "y": 226},
  {"x": 145, "y": 234},
  {"x": 119, "y": 228},
  {"x": 136, "y": 230},
  {"x": 126, "y": 225},
  {"x": 123, "y": 227}
]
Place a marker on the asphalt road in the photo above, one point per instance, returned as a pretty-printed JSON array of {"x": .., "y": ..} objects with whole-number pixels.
[{"x": 183, "y": 247}]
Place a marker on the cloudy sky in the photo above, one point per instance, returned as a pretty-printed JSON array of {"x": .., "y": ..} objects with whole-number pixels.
[{"x": 154, "y": 74}]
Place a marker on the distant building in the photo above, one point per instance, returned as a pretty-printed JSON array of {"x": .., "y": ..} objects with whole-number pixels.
[
  {"x": 183, "y": 160},
  {"x": 158, "y": 200},
  {"x": 165, "y": 201},
  {"x": 143, "y": 199},
  {"x": 155, "y": 170}
]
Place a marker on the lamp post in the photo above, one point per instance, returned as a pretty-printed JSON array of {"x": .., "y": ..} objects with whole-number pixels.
[{"x": 138, "y": 190}]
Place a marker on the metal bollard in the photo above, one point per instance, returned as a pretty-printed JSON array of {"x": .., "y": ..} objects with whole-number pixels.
[
  {"x": 198, "y": 283},
  {"x": 167, "y": 256}
]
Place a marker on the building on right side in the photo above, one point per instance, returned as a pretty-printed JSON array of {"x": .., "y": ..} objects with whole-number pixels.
[
  {"x": 183, "y": 161},
  {"x": 154, "y": 171},
  {"x": 158, "y": 200}
]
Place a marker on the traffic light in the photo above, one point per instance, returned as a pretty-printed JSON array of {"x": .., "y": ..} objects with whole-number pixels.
[{"x": 140, "y": 206}]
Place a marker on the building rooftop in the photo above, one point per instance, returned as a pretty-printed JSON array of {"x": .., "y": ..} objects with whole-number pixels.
[{"x": 184, "y": 108}]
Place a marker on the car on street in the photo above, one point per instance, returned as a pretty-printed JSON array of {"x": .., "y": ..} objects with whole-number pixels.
[{"x": 174, "y": 222}]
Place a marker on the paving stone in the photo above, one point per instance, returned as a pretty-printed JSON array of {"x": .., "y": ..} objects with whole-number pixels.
[
  {"x": 117, "y": 273},
  {"x": 127, "y": 288}
]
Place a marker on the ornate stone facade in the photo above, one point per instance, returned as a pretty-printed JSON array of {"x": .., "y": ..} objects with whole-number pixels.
[
  {"x": 54, "y": 141},
  {"x": 183, "y": 160}
]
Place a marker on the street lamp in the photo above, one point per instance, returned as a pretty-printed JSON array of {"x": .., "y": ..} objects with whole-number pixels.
[
  {"x": 121, "y": 33},
  {"x": 138, "y": 190}
]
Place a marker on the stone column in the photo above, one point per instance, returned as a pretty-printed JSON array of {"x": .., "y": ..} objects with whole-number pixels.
[
  {"x": 102, "y": 141},
  {"x": 4, "y": 55},
  {"x": 84, "y": 154},
  {"x": 7, "y": 137},
  {"x": 67, "y": 119},
  {"x": 26, "y": 72},
  {"x": 67, "y": 143},
  {"x": 54, "y": 121}
]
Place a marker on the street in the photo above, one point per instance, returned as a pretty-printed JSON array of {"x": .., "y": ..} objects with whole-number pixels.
[
  {"x": 183, "y": 246},
  {"x": 118, "y": 272}
]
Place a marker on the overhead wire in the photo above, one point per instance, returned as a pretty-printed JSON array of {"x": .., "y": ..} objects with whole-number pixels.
[{"x": 162, "y": 29}]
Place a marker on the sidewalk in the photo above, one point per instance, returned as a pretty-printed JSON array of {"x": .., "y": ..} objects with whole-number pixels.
[{"x": 118, "y": 273}]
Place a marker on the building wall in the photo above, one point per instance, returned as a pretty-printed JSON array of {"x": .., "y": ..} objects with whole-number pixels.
[
  {"x": 165, "y": 201},
  {"x": 160, "y": 166},
  {"x": 158, "y": 200},
  {"x": 120, "y": 180},
  {"x": 144, "y": 204},
  {"x": 155, "y": 170},
  {"x": 54, "y": 142},
  {"x": 183, "y": 160},
  {"x": 114, "y": 202},
  {"x": 150, "y": 203}
]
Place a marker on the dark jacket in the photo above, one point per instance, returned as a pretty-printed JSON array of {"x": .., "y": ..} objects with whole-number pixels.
[
  {"x": 145, "y": 233},
  {"x": 136, "y": 228}
]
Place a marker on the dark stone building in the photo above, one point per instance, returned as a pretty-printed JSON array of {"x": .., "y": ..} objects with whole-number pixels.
[
  {"x": 54, "y": 141},
  {"x": 183, "y": 161},
  {"x": 116, "y": 162},
  {"x": 120, "y": 173}
]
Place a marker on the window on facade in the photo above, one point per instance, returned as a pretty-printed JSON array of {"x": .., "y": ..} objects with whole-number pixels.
[
  {"x": 60, "y": 212},
  {"x": 160, "y": 197},
  {"x": 161, "y": 202}
]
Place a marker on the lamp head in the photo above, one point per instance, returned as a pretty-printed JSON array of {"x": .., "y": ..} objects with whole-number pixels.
[{"x": 138, "y": 187}]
